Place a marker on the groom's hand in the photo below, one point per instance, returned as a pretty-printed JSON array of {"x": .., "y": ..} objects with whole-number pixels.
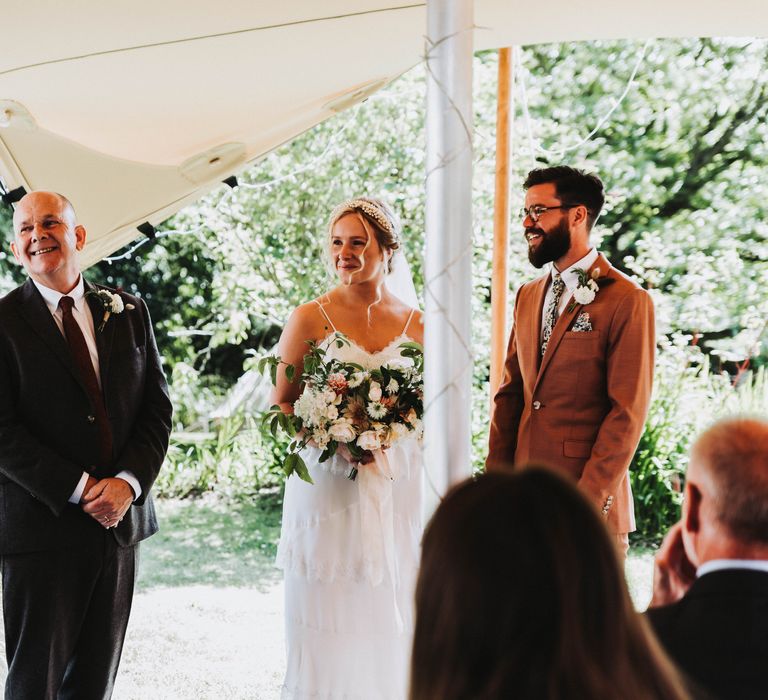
[{"x": 108, "y": 500}]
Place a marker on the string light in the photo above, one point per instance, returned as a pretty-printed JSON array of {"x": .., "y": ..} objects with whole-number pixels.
[{"x": 559, "y": 153}]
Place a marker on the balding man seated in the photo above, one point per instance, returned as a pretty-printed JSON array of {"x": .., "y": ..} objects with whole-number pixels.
[{"x": 710, "y": 599}]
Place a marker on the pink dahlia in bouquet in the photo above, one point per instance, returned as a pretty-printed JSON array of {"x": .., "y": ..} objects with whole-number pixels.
[{"x": 344, "y": 403}]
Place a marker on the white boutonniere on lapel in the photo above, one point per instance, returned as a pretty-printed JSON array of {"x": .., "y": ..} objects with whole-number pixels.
[
  {"x": 111, "y": 303},
  {"x": 586, "y": 289}
]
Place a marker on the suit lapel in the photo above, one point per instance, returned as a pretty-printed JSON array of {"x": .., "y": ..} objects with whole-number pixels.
[
  {"x": 35, "y": 312},
  {"x": 567, "y": 318},
  {"x": 104, "y": 337}
]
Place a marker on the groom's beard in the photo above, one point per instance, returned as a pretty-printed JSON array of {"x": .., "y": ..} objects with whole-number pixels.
[{"x": 552, "y": 245}]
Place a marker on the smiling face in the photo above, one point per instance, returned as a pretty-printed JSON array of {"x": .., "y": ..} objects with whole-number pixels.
[
  {"x": 47, "y": 240},
  {"x": 549, "y": 238},
  {"x": 356, "y": 255}
]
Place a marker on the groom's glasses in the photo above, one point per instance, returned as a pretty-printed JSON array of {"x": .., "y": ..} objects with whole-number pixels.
[{"x": 537, "y": 210}]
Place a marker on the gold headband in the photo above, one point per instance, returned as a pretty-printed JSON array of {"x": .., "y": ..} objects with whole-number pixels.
[{"x": 368, "y": 208}]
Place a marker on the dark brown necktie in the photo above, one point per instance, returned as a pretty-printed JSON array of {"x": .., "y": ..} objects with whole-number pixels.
[{"x": 84, "y": 367}]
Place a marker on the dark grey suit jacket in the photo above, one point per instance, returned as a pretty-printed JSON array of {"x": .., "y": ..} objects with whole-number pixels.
[
  {"x": 47, "y": 430},
  {"x": 718, "y": 633}
]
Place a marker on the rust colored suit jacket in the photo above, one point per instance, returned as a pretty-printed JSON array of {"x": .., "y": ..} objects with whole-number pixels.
[{"x": 581, "y": 407}]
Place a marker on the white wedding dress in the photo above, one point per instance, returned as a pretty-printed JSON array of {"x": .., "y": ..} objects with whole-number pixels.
[{"x": 350, "y": 577}]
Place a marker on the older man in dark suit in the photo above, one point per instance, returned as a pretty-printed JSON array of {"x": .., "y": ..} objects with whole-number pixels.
[
  {"x": 710, "y": 602},
  {"x": 84, "y": 424}
]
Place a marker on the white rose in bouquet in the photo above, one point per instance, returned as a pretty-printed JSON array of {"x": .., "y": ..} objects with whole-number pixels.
[
  {"x": 369, "y": 440},
  {"x": 331, "y": 397},
  {"x": 342, "y": 431},
  {"x": 374, "y": 391},
  {"x": 331, "y": 413}
]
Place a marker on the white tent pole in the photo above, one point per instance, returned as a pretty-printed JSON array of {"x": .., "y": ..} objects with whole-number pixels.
[{"x": 448, "y": 281}]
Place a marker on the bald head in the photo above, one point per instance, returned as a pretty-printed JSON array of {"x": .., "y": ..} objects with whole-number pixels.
[
  {"x": 66, "y": 208},
  {"x": 729, "y": 464}
]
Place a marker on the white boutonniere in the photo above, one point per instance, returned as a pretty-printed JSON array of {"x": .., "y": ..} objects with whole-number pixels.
[
  {"x": 586, "y": 289},
  {"x": 111, "y": 303}
]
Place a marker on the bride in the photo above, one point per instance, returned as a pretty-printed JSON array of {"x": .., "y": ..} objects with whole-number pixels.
[{"x": 348, "y": 613}]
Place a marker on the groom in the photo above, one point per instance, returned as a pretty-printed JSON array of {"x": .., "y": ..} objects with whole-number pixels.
[
  {"x": 84, "y": 424},
  {"x": 579, "y": 367}
]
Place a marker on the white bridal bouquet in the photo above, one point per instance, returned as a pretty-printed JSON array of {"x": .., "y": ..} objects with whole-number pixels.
[{"x": 343, "y": 403}]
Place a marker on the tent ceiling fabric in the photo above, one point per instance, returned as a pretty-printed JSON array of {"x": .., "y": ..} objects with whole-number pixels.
[{"x": 134, "y": 109}]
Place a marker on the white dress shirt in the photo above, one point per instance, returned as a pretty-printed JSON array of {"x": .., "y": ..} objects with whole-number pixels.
[
  {"x": 81, "y": 312},
  {"x": 720, "y": 564},
  {"x": 571, "y": 281}
]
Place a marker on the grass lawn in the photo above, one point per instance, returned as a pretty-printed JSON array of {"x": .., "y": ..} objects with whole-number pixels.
[{"x": 207, "y": 616}]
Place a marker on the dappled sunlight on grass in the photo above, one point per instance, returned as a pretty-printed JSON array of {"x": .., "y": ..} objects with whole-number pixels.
[{"x": 213, "y": 542}]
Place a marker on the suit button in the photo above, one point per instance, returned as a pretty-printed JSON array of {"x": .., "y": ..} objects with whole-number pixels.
[
  {"x": 536, "y": 405},
  {"x": 91, "y": 419}
]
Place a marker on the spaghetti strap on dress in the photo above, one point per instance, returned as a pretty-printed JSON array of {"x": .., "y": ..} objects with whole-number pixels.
[
  {"x": 327, "y": 317},
  {"x": 408, "y": 322}
]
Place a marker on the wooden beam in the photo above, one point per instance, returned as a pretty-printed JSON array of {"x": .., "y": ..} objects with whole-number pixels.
[{"x": 500, "y": 275}]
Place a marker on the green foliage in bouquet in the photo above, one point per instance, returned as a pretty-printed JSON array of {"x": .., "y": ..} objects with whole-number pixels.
[{"x": 344, "y": 403}]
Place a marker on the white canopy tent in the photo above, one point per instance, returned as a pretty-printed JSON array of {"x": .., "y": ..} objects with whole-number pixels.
[{"x": 134, "y": 109}]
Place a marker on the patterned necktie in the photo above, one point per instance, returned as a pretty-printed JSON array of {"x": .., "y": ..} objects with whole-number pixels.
[
  {"x": 558, "y": 286},
  {"x": 82, "y": 360}
]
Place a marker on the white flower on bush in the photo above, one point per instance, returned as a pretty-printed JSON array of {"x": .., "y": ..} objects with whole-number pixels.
[
  {"x": 393, "y": 386},
  {"x": 342, "y": 431},
  {"x": 374, "y": 391},
  {"x": 369, "y": 440},
  {"x": 376, "y": 409},
  {"x": 357, "y": 379}
]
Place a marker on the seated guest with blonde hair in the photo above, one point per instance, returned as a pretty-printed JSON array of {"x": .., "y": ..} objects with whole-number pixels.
[
  {"x": 710, "y": 602},
  {"x": 521, "y": 595}
]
